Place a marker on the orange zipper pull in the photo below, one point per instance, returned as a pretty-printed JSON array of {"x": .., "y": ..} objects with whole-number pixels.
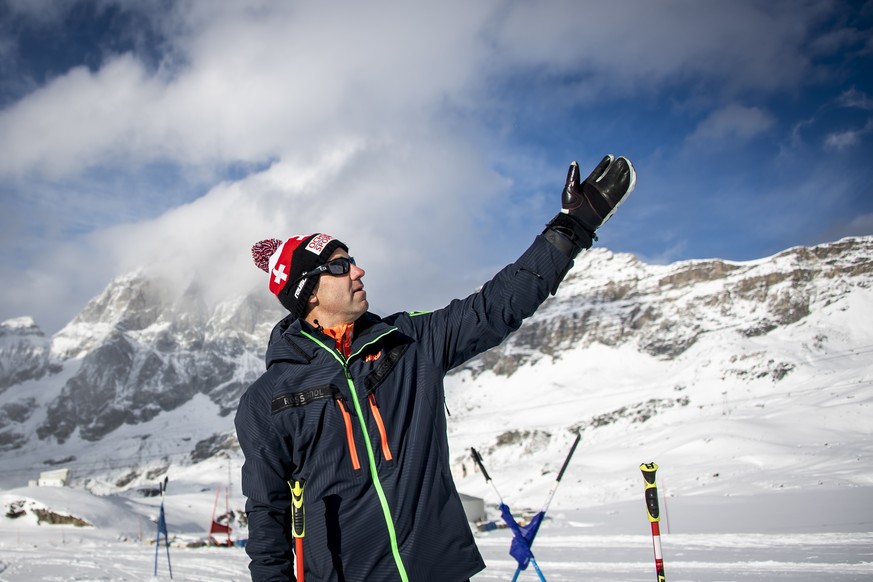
[
  {"x": 350, "y": 438},
  {"x": 374, "y": 407}
]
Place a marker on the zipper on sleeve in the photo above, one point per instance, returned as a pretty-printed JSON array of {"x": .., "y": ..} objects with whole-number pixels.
[
  {"x": 383, "y": 434},
  {"x": 350, "y": 437}
]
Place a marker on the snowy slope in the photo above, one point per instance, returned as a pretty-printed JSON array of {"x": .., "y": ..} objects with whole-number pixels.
[
  {"x": 787, "y": 535},
  {"x": 734, "y": 409}
]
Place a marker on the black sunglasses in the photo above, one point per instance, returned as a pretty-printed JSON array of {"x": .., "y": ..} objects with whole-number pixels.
[{"x": 339, "y": 266}]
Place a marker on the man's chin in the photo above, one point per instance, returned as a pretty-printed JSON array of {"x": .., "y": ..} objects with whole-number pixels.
[{"x": 362, "y": 304}]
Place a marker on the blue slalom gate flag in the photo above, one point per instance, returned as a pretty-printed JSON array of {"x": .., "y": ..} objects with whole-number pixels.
[
  {"x": 162, "y": 523},
  {"x": 523, "y": 540},
  {"x": 520, "y": 548}
]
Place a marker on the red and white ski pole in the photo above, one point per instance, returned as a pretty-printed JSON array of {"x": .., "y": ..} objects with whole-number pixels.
[{"x": 651, "y": 492}]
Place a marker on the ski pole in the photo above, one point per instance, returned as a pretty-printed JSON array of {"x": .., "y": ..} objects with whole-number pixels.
[
  {"x": 298, "y": 514},
  {"x": 651, "y": 492},
  {"x": 516, "y": 531}
]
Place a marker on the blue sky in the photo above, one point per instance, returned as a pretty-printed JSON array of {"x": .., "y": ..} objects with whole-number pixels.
[{"x": 433, "y": 139}]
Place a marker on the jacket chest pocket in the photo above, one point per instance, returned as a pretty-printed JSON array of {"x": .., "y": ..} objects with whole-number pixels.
[
  {"x": 385, "y": 362},
  {"x": 311, "y": 413}
]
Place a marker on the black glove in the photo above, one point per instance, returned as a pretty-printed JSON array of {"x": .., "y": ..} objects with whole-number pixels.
[{"x": 586, "y": 206}]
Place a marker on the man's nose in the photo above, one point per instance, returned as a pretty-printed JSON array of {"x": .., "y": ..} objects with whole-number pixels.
[{"x": 357, "y": 272}]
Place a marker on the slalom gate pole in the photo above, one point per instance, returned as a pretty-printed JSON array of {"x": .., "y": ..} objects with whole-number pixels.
[
  {"x": 515, "y": 531},
  {"x": 158, "y": 541},
  {"x": 169, "y": 564},
  {"x": 227, "y": 512},
  {"x": 162, "y": 527},
  {"x": 561, "y": 472},
  {"x": 166, "y": 533},
  {"x": 212, "y": 539},
  {"x": 654, "y": 514},
  {"x": 482, "y": 468},
  {"x": 298, "y": 514}
]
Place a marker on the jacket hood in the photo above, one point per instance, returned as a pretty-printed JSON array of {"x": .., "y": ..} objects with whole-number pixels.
[{"x": 279, "y": 350}]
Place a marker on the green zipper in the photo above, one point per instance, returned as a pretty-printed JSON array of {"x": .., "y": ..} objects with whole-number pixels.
[{"x": 371, "y": 457}]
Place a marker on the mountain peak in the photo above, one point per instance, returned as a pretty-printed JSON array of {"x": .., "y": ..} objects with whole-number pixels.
[{"x": 20, "y": 326}]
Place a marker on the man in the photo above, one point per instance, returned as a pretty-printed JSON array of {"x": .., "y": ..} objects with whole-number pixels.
[{"x": 352, "y": 404}]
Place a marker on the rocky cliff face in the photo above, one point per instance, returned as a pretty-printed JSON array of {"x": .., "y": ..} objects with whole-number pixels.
[
  {"x": 24, "y": 352},
  {"x": 663, "y": 310},
  {"x": 138, "y": 351},
  {"x": 24, "y": 357}
]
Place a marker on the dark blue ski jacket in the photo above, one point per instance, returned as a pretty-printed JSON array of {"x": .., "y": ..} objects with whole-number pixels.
[{"x": 367, "y": 436}]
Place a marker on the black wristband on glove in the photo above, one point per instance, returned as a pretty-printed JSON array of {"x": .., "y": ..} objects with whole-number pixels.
[{"x": 568, "y": 235}]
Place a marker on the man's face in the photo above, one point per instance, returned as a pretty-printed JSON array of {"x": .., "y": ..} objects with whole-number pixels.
[{"x": 340, "y": 298}]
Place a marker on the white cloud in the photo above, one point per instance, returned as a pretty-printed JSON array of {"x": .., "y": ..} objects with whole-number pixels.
[
  {"x": 252, "y": 81},
  {"x": 78, "y": 120},
  {"x": 853, "y": 98},
  {"x": 253, "y": 85},
  {"x": 840, "y": 141},
  {"x": 796, "y": 136},
  {"x": 392, "y": 203},
  {"x": 628, "y": 45},
  {"x": 733, "y": 122}
]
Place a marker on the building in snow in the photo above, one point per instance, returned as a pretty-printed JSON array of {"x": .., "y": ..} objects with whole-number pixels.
[
  {"x": 56, "y": 478},
  {"x": 474, "y": 508}
]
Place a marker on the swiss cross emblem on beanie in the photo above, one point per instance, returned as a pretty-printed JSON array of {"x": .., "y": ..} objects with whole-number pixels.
[{"x": 286, "y": 261}]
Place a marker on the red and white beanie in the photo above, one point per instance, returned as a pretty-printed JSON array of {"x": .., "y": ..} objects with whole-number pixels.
[{"x": 286, "y": 261}]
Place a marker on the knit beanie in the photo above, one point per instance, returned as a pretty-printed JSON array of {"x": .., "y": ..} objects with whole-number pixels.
[{"x": 286, "y": 261}]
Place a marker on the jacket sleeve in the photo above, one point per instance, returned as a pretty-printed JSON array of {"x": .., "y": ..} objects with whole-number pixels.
[
  {"x": 266, "y": 489},
  {"x": 468, "y": 327}
]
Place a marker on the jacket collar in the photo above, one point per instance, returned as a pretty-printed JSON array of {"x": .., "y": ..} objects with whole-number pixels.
[{"x": 288, "y": 344}]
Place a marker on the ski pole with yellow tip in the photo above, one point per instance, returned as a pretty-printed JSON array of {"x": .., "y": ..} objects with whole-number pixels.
[{"x": 298, "y": 519}]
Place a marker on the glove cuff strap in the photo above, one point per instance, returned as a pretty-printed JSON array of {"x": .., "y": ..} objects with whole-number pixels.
[{"x": 568, "y": 235}]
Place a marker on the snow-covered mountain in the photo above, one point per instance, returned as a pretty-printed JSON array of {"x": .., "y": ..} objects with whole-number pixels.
[
  {"x": 720, "y": 371},
  {"x": 733, "y": 376}
]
